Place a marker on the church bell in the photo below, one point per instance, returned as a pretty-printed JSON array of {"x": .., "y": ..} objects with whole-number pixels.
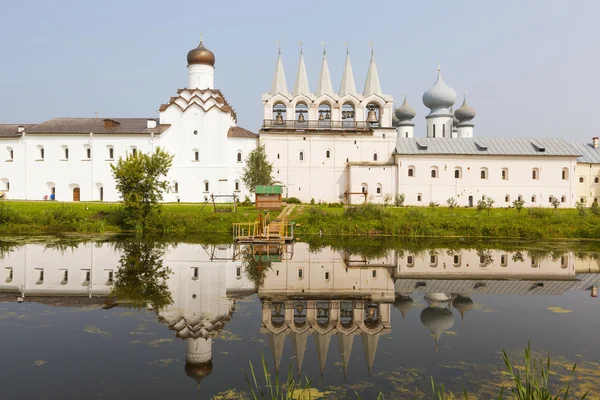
[
  {"x": 279, "y": 118},
  {"x": 372, "y": 117},
  {"x": 321, "y": 118},
  {"x": 301, "y": 117}
]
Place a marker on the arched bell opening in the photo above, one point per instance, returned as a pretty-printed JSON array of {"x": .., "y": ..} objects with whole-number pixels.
[
  {"x": 346, "y": 313},
  {"x": 277, "y": 314},
  {"x": 323, "y": 313},
  {"x": 324, "y": 115},
  {"x": 279, "y": 113},
  {"x": 300, "y": 313},
  {"x": 301, "y": 113},
  {"x": 373, "y": 114},
  {"x": 371, "y": 319},
  {"x": 348, "y": 115}
]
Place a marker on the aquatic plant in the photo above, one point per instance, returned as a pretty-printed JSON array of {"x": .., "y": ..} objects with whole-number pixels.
[{"x": 275, "y": 390}]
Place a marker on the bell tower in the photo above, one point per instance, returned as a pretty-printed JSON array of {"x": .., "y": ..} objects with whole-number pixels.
[{"x": 201, "y": 68}]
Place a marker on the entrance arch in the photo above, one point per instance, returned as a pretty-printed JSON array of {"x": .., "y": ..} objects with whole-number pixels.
[{"x": 76, "y": 194}]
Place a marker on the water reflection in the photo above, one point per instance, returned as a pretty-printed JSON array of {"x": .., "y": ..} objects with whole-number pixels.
[{"x": 304, "y": 293}]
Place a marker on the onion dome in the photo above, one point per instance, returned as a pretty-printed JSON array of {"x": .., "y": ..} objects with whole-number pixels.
[
  {"x": 455, "y": 121},
  {"x": 436, "y": 298},
  {"x": 201, "y": 55},
  {"x": 198, "y": 371},
  {"x": 405, "y": 111},
  {"x": 395, "y": 120},
  {"x": 462, "y": 304},
  {"x": 465, "y": 112},
  {"x": 438, "y": 320},
  {"x": 439, "y": 95},
  {"x": 403, "y": 304}
]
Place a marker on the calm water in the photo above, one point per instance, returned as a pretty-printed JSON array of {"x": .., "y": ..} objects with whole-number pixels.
[{"x": 132, "y": 319}]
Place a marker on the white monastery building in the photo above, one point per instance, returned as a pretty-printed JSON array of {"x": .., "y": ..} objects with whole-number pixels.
[{"x": 329, "y": 145}]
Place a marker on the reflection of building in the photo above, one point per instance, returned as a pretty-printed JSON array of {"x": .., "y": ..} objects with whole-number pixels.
[{"x": 316, "y": 294}]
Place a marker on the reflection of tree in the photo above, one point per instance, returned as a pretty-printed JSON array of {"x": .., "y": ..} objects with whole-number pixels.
[
  {"x": 518, "y": 257},
  {"x": 141, "y": 277},
  {"x": 485, "y": 257},
  {"x": 254, "y": 267}
]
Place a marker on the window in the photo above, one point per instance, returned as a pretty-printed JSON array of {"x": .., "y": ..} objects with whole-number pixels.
[
  {"x": 433, "y": 261},
  {"x": 456, "y": 260},
  {"x": 564, "y": 261},
  {"x": 206, "y": 186},
  {"x": 195, "y": 272},
  {"x": 535, "y": 174},
  {"x": 111, "y": 277},
  {"x": 88, "y": 153},
  {"x": 411, "y": 172},
  {"x": 374, "y": 273},
  {"x": 175, "y": 187},
  {"x": 434, "y": 172},
  {"x": 237, "y": 186},
  {"x": 111, "y": 153},
  {"x": 9, "y": 274},
  {"x": 134, "y": 152},
  {"x": 483, "y": 173},
  {"x": 327, "y": 275},
  {"x": 301, "y": 156},
  {"x": 375, "y": 157},
  {"x": 40, "y": 275},
  {"x": 563, "y": 199},
  {"x": 196, "y": 156},
  {"x": 503, "y": 260},
  {"x": 582, "y": 200},
  {"x": 457, "y": 173},
  {"x": 278, "y": 156},
  {"x": 239, "y": 156},
  {"x": 533, "y": 199},
  {"x": 364, "y": 188},
  {"x": 419, "y": 197},
  {"x": 565, "y": 174},
  {"x": 433, "y": 130},
  {"x": 596, "y": 180},
  {"x": 41, "y": 149},
  {"x": 238, "y": 272},
  {"x": 378, "y": 190},
  {"x": 300, "y": 273},
  {"x": 444, "y": 130},
  {"x": 504, "y": 174},
  {"x": 580, "y": 178},
  {"x": 7, "y": 185},
  {"x": 328, "y": 154},
  {"x": 520, "y": 198},
  {"x": 66, "y": 153},
  {"x": 410, "y": 261},
  {"x": 507, "y": 199}
]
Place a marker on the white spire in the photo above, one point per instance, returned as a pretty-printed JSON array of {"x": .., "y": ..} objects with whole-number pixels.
[
  {"x": 322, "y": 341},
  {"x": 279, "y": 83},
  {"x": 345, "y": 342},
  {"x": 324, "y": 86},
  {"x": 299, "y": 340},
  {"x": 347, "y": 86},
  {"x": 372, "y": 85},
  {"x": 301, "y": 86},
  {"x": 370, "y": 346}
]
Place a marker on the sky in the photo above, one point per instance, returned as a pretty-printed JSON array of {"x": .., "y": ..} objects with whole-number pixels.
[{"x": 530, "y": 68}]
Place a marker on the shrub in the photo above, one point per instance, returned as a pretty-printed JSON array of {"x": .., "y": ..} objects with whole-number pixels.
[
  {"x": 386, "y": 199},
  {"x": 555, "y": 202},
  {"x": 451, "y": 202},
  {"x": 581, "y": 209},
  {"x": 7, "y": 214},
  {"x": 293, "y": 200},
  {"x": 433, "y": 204},
  {"x": 481, "y": 205},
  {"x": 312, "y": 201},
  {"x": 595, "y": 209},
  {"x": 367, "y": 211},
  {"x": 399, "y": 200},
  {"x": 518, "y": 205}
]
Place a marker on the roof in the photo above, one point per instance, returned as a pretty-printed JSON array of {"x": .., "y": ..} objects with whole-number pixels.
[
  {"x": 262, "y": 189},
  {"x": 487, "y": 146},
  {"x": 10, "y": 130},
  {"x": 88, "y": 125},
  {"x": 588, "y": 153},
  {"x": 236, "y": 131}
]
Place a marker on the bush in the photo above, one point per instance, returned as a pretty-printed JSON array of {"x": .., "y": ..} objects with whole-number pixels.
[
  {"x": 399, "y": 200},
  {"x": 451, "y": 202},
  {"x": 293, "y": 200},
  {"x": 367, "y": 211},
  {"x": 595, "y": 209},
  {"x": 581, "y": 210},
  {"x": 7, "y": 214},
  {"x": 433, "y": 204}
]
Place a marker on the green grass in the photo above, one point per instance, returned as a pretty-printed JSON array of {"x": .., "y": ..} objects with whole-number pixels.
[{"x": 445, "y": 222}]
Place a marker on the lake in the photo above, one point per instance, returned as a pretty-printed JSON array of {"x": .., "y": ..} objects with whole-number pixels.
[{"x": 125, "y": 318}]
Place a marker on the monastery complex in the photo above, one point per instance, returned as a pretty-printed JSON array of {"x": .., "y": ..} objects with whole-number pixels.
[{"x": 328, "y": 145}]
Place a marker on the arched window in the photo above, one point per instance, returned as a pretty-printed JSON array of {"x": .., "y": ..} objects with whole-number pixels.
[
  {"x": 533, "y": 198},
  {"x": 434, "y": 172},
  {"x": 279, "y": 113},
  {"x": 111, "y": 153},
  {"x": 374, "y": 156},
  {"x": 175, "y": 187},
  {"x": 301, "y": 156},
  {"x": 520, "y": 198},
  {"x": 88, "y": 153},
  {"x": 596, "y": 180},
  {"x": 483, "y": 173},
  {"x": 410, "y": 261},
  {"x": 41, "y": 153},
  {"x": 66, "y": 152},
  {"x": 504, "y": 174},
  {"x": 373, "y": 114},
  {"x": 419, "y": 197},
  {"x": 278, "y": 156},
  {"x": 237, "y": 186},
  {"x": 535, "y": 174},
  {"x": 301, "y": 114},
  {"x": 581, "y": 179},
  {"x": 379, "y": 189},
  {"x": 364, "y": 188},
  {"x": 328, "y": 154},
  {"x": 196, "y": 156},
  {"x": 433, "y": 261},
  {"x": 565, "y": 174},
  {"x": 503, "y": 260},
  {"x": 507, "y": 198},
  {"x": 348, "y": 115},
  {"x": 239, "y": 156},
  {"x": 563, "y": 199},
  {"x": 134, "y": 151},
  {"x": 206, "y": 186},
  {"x": 11, "y": 153},
  {"x": 324, "y": 111},
  {"x": 411, "y": 172},
  {"x": 458, "y": 173},
  {"x": 457, "y": 260},
  {"x": 5, "y": 183}
]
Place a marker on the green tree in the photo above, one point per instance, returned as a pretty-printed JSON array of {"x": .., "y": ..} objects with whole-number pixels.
[
  {"x": 140, "y": 179},
  {"x": 518, "y": 205},
  {"x": 258, "y": 170}
]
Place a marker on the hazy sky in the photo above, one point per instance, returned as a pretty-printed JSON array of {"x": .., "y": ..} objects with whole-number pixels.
[{"x": 530, "y": 68}]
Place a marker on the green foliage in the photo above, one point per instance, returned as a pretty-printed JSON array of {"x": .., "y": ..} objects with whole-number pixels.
[
  {"x": 594, "y": 208},
  {"x": 274, "y": 390},
  {"x": 312, "y": 202},
  {"x": 7, "y": 214},
  {"x": 581, "y": 209},
  {"x": 481, "y": 205},
  {"x": 489, "y": 204},
  {"x": 140, "y": 179},
  {"x": 247, "y": 201},
  {"x": 555, "y": 202},
  {"x": 141, "y": 278},
  {"x": 366, "y": 212},
  {"x": 400, "y": 199},
  {"x": 518, "y": 204},
  {"x": 293, "y": 200},
  {"x": 433, "y": 204},
  {"x": 451, "y": 203},
  {"x": 258, "y": 170}
]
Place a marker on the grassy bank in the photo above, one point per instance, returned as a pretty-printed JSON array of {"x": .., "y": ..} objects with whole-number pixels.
[{"x": 368, "y": 220}]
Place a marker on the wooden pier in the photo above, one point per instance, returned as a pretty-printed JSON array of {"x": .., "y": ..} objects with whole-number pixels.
[{"x": 265, "y": 230}]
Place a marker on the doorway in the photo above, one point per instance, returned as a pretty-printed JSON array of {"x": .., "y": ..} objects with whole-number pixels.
[
  {"x": 470, "y": 201},
  {"x": 101, "y": 193},
  {"x": 76, "y": 194}
]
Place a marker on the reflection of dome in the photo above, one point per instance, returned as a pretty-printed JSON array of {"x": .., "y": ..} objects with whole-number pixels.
[
  {"x": 465, "y": 112},
  {"x": 438, "y": 320},
  {"x": 462, "y": 304},
  {"x": 439, "y": 95},
  {"x": 403, "y": 304},
  {"x": 405, "y": 111},
  {"x": 201, "y": 55},
  {"x": 198, "y": 371},
  {"x": 436, "y": 298}
]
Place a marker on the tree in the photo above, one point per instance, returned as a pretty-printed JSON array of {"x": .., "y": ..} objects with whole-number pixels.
[
  {"x": 399, "y": 200},
  {"x": 140, "y": 179},
  {"x": 258, "y": 170},
  {"x": 489, "y": 204},
  {"x": 518, "y": 205},
  {"x": 555, "y": 202},
  {"x": 451, "y": 202}
]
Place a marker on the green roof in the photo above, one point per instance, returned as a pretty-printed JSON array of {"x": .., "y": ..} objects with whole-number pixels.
[{"x": 262, "y": 189}]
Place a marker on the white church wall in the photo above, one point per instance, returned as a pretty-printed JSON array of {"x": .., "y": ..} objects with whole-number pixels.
[
  {"x": 587, "y": 181},
  {"x": 519, "y": 180}
]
